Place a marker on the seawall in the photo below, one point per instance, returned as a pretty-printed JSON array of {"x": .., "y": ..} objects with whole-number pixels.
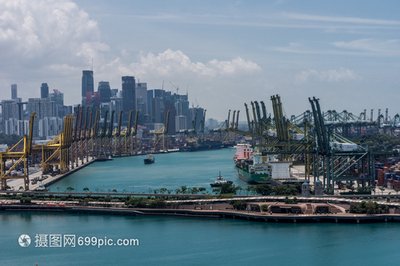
[{"x": 215, "y": 214}]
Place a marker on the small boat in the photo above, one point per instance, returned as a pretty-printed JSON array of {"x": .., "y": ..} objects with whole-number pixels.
[
  {"x": 41, "y": 188},
  {"x": 103, "y": 158},
  {"x": 149, "y": 159},
  {"x": 220, "y": 181}
]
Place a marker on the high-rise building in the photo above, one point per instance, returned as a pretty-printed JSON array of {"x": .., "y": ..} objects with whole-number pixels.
[
  {"x": 87, "y": 85},
  {"x": 44, "y": 91},
  {"x": 158, "y": 106},
  {"x": 14, "y": 94},
  {"x": 114, "y": 92},
  {"x": 141, "y": 102},
  {"x": 10, "y": 109},
  {"x": 197, "y": 118},
  {"x": 182, "y": 110},
  {"x": 180, "y": 123},
  {"x": 128, "y": 93},
  {"x": 57, "y": 96},
  {"x": 104, "y": 91},
  {"x": 150, "y": 99}
]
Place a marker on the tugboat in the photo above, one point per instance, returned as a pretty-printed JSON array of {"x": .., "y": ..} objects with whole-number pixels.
[
  {"x": 149, "y": 159},
  {"x": 220, "y": 181}
]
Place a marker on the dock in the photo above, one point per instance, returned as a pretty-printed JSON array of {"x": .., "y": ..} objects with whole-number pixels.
[{"x": 15, "y": 184}]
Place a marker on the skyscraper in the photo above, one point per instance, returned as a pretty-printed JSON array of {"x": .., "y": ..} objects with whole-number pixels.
[
  {"x": 14, "y": 94},
  {"x": 87, "y": 85},
  {"x": 104, "y": 91},
  {"x": 141, "y": 101},
  {"x": 128, "y": 93},
  {"x": 44, "y": 91}
]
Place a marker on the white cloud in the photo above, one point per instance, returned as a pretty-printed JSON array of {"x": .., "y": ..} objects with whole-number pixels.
[
  {"x": 330, "y": 75},
  {"x": 172, "y": 63},
  {"x": 379, "y": 47},
  {"x": 340, "y": 19},
  {"x": 55, "y": 32}
]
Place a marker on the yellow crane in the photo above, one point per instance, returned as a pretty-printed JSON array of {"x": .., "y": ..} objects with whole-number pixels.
[
  {"x": 17, "y": 155},
  {"x": 56, "y": 153}
]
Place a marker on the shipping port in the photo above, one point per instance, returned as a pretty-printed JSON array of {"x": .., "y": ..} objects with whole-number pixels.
[{"x": 326, "y": 152}]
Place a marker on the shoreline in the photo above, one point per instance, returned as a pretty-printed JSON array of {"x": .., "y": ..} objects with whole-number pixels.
[
  {"x": 208, "y": 214},
  {"x": 57, "y": 178}
]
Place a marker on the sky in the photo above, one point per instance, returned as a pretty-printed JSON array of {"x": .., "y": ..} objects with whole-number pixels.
[{"x": 222, "y": 53}]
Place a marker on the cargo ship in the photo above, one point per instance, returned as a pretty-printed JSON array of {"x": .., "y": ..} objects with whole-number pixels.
[
  {"x": 251, "y": 166},
  {"x": 256, "y": 168},
  {"x": 203, "y": 145}
]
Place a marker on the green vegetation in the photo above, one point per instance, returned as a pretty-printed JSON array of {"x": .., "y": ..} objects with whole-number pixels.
[
  {"x": 132, "y": 202},
  {"x": 368, "y": 207},
  {"x": 291, "y": 201},
  {"x": 281, "y": 190},
  {"x": 229, "y": 189},
  {"x": 183, "y": 190},
  {"x": 360, "y": 191},
  {"x": 239, "y": 205},
  {"x": 25, "y": 200}
]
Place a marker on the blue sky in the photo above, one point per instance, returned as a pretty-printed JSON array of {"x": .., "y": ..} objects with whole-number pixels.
[{"x": 223, "y": 53}]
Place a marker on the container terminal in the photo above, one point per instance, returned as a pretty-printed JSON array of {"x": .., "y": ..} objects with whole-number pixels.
[{"x": 327, "y": 152}]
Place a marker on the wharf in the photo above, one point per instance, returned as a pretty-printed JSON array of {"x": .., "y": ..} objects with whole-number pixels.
[
  {"x": 214, "y": 214},
  {"x": 15, "y": 184}
]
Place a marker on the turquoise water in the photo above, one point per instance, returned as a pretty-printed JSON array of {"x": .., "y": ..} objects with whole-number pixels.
[
  {"x": 194, "y": 241},
  {"x": 187, "y": 241},
  {"x": 130, "y": 174}
]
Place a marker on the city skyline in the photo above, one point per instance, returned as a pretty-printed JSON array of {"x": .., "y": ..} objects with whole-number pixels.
[{"x": 223, "y": 54}]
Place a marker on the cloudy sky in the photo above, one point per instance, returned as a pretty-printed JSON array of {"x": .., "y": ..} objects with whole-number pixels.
[{"x": 223, "y": 53}]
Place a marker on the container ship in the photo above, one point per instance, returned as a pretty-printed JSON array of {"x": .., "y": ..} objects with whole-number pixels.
[{"x": 256, "y": 168}]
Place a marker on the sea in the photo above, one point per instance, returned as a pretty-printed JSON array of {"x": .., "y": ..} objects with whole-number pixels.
[{"x": 40, "y": 238}]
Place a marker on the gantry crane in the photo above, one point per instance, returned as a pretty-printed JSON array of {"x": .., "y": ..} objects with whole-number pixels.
[
  {"x": 16, "y": 157},
  {"x": 160, "y": 135},
  {"x": 56, "y": 154}
]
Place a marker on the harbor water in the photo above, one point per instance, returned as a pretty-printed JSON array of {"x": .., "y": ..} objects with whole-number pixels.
[
  {"x": 197, "y": 241},
  {"x": 167, "y": 241},
  {"x": 170, "y": 171}
]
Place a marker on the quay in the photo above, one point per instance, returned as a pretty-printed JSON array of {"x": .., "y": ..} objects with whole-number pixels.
[
  {"x": 259, "y": 209},
  {"x": 214, "y": 214},
  {"x": 15, "y": 184}
]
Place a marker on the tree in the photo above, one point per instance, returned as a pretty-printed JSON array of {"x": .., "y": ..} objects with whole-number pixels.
[
  {"x": 369, "y": 207},
  {"x": 181, "y": 190},
  {"x": 228, "y": 188},
  {"x": 163, "y": 190},
  {"x": 239, "y": 205},
  {"x": 263, "y": 189}
]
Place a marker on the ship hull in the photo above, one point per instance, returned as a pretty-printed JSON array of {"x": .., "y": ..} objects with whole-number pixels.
[
  {"x": 253, "y": 178},
  {"x": 148, "y": 161}
]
